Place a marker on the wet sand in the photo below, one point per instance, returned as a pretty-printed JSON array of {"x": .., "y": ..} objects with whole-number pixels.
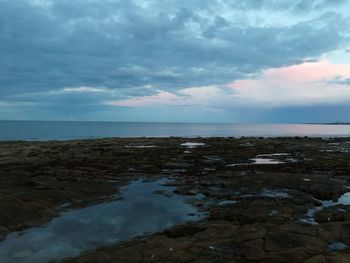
[{"x": 266, "y": 200}]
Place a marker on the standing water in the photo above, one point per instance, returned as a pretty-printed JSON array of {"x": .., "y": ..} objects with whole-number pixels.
[{"x": 141, "y": 211}]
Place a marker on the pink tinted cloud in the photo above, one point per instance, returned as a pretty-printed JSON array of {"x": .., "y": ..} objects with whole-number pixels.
[
  {"x": 316, "y": 71},
  {"x": 304, "y": 84},
  {"x": 303, "y": 73},
  {"x": 307, "y": 83}
]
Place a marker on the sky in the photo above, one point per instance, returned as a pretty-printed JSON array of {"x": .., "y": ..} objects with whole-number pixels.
[{"x": 221, "y": 61}]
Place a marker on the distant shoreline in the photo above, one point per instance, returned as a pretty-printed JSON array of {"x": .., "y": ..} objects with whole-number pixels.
[
  {"x": 330, "y": 123},
  {"x": 46, "y": 131}
]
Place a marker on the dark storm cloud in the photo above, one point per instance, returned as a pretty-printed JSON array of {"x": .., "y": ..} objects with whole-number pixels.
[{"x": 49, "y": 45}]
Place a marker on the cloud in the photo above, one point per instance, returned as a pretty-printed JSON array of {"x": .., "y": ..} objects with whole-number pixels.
[
  {"x": 298, "y": 85},
  {"x": 199, "y": 96},
  {"x": 92, "y": 55},
  {"x": 86, "y": 90},
  {"x": 161, "y": 98},
  {"x": 128, "y": 44},
  {"x": 302, "y": 84},
  {"x": 340, "y": 80}
]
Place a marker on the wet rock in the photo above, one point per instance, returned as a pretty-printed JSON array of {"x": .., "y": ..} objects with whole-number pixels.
[
  {"x": 219, "y": 213},
  {"x": 291, "y": 255},
  {"x": 337, "y": 213},
  {"x": 225, "y": 174},
  {"x": 343, "y": 257},
  {"x": 223, "y": 231},
  {"x": 253, "y": 250},
  {"x": 316, "y": 259},
  {"x": 3, "y": 233},
  {"x": 176, "y": 165},
  {"x": 282, "y": 240},
  {"x": 185, "y": 190},
  {"x": 345, "y": 233},
  {"x": 12, "y": 211},
  {"x": 330, "y": 232},
  {"x": 41, "y": 176},
  {"x": 250, "y": 232},
  {"x": 326, "y": 190},
  {"x": 185, "y": 230},
  {"x": 212, "y": 160},
  {"x": 300, "y": 229}
]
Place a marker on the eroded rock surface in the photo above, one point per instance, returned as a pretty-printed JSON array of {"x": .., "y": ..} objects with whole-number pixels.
[{"x": 257, "y": 212}]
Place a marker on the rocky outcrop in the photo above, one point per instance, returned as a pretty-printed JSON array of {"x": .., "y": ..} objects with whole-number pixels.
[{"x": 256, "y": 212}]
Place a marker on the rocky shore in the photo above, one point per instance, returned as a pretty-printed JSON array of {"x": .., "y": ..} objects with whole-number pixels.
[{"x": 267, "y": 200}]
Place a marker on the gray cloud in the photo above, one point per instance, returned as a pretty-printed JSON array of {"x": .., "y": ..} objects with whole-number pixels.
[
  {"x": 285, "y": 6},
  {"x": 126, "y": 45},
  {"x": 340, "y": 81}
]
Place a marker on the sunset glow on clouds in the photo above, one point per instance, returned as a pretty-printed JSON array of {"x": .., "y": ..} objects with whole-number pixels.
[
  {"x": 187, "y": 96},
  {"x": 310, "y": 83},
  {"x": 304, "y": 84},
  {"x": 149, "y": 60}
]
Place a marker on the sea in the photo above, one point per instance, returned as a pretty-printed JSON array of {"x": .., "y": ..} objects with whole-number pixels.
[{"x": 72, "y": 130}]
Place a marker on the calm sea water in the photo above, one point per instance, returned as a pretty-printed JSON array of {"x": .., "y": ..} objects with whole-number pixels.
[{"x": 62, "y": 130}]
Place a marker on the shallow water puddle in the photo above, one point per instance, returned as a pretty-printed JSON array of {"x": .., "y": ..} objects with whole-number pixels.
[
  {"x": 273, "y": 193},
  {"x": 140, "y": 146},
  {"x": 265, "y": 161},
  {"x": 227, "y": 202},
  {"x": 268, "y": 193},
  {"x": 270, "y": 158},
  {"x": 257, "y": 161},
  {"x": 192, "y": 145},
  {"x": 337, "y": 246},
  {"x": 139, "y": 212},
  {"x": 310, "y": 216},
  {"x": 273, "y": 154},
  {"x": 344, "y": 199}
]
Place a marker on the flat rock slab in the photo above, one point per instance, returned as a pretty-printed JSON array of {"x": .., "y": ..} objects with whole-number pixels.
[{"x": 255, "y": 212}]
